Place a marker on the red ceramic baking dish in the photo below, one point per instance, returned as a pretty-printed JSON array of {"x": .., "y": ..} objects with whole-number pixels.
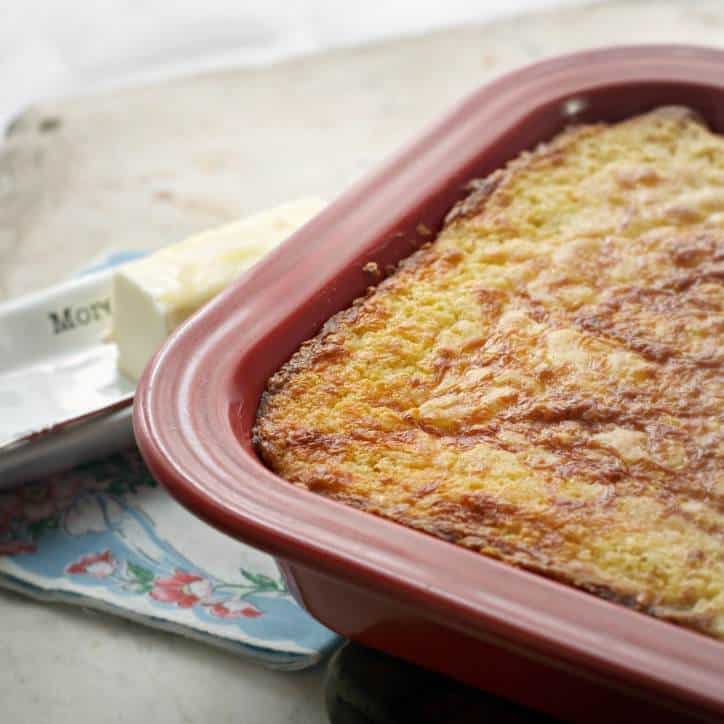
[{"x": 499, "y": 628}]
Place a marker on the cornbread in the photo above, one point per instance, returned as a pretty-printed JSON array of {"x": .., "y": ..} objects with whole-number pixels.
[{"x": 543, "y": 383}]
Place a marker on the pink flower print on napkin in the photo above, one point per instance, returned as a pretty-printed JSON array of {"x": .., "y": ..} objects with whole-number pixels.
[
  {"x": 183, "y": 589},
  {"x": 42, "y": 500},
  {"x": 15, "y": 547},
  {"x": 97, "y": 565},
  {"x": 234, "y": 609},
  {"x": 10, "y": 509}
]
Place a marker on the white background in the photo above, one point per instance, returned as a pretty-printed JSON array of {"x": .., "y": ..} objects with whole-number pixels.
[{"x": 50, "y": 48}]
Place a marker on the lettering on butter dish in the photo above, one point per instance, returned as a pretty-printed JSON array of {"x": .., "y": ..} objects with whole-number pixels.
[{"x": 79, "y": 316}]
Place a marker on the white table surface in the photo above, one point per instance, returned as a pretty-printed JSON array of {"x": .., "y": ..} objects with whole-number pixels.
[
  {"x": 63, "y": 665},
  {"x": 147, "y": 167},
  {"x": 53, "y": 48}
]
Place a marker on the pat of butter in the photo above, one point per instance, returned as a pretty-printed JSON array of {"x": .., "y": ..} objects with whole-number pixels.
[{"x": 152, "y": 296}]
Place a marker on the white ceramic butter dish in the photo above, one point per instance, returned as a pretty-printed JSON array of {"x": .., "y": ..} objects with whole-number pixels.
[{"x": 62, "y": 398}]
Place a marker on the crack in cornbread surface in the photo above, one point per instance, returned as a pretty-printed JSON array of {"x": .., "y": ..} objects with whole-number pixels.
[{"x": 543, "y": 383}]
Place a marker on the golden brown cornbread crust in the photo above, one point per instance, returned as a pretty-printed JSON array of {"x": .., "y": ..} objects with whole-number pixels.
[{"x": 543, "y": 384}]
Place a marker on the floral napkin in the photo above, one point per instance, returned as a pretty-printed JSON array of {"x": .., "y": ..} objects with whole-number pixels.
[{"x": 106, "y": 536}]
